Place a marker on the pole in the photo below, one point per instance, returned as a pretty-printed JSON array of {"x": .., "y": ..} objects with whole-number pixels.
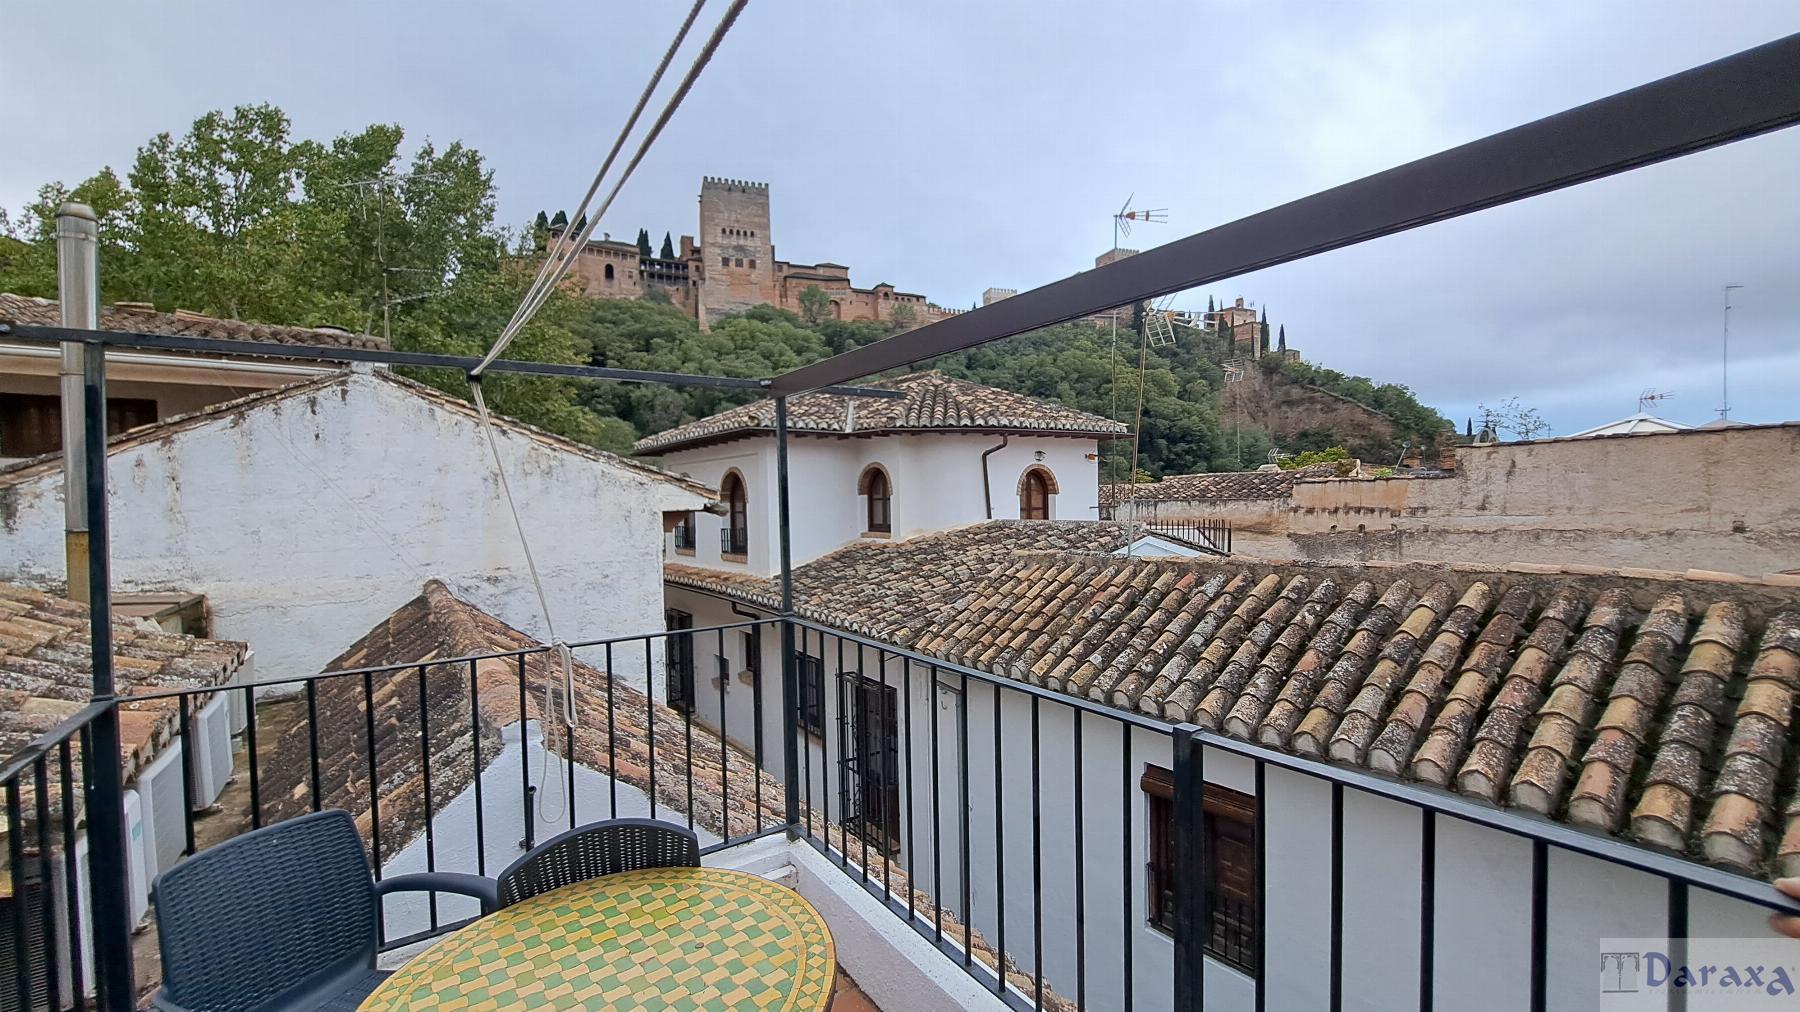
[
  {"x": 78, "y": 293},
  {"x": 1725, "y": 358},
  {"x": 790, "y": 676},
  {"x": 110, "y": 878}
]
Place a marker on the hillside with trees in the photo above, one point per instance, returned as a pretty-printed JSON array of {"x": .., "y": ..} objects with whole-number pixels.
[{"x": 238, "y": 218}]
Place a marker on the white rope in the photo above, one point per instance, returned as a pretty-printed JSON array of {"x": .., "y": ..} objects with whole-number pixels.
[
  {"x": 536, "y": 298},
  {"x": 545, "y": 275},
  {"x": 565, "y": 657},
  {"x": 539, "y": 292}
]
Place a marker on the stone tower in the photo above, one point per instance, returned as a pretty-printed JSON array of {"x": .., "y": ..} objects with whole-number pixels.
[{"x": 737, "y": 256}]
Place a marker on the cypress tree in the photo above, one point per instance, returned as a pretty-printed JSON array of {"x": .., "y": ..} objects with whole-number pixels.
[
  {"x": 561, "y": 220},
  {"x": 1281, "y": 344},
  {"x": 542, "y": 223},
  {"x": 644, "y": 244},
  {"x": 668, "y": 247},
  {"x": 580, "y": 223}
]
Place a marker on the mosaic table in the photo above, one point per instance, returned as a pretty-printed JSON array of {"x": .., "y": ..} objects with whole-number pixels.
[{"x": 681, "y": 938}]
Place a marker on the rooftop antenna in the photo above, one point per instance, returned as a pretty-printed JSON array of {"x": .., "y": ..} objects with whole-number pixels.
[
  {"x": 1651, "y": 396},
  {"x": 1725, "y": 357},
  {"x": 1123, "y": 219},
  {"x": 378, "y": 187}
]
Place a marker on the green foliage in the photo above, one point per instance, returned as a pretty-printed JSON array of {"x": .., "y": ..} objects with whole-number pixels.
[
  {"x": 237, "y": 218},
  {"x": 668, "y": 247},
  {"x": 1413, "y": 421},
  {"x": 815, "y": 305},
  {"x": 1300, "y": 460}
]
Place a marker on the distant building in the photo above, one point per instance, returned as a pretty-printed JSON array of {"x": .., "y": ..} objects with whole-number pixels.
[
  {"x": 994, "y": 295},
  {"x": 732, "y": 267}
]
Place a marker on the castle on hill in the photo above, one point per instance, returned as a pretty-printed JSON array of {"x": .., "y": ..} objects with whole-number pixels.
[{"x": 732, "y": 267}]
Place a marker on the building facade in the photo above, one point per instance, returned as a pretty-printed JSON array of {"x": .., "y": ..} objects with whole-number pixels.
[
  {"x": 730, "y": 266},
  {"x": 306, "y": 513}
]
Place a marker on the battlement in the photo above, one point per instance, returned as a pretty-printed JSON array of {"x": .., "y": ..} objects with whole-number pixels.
[{"x": 740, "y": 184}]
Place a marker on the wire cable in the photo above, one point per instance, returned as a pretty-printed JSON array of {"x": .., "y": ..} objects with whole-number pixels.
[
  {"x": 535, "y": 300},
  {"x": 555, "y": 255}
]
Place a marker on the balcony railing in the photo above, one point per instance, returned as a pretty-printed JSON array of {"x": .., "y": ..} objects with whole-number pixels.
[
  {"x": 1210, "y": 536},
  {"x": 734, "y": 542}
]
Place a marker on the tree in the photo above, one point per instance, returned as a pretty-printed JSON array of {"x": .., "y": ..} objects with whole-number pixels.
[
  {"x": 815, "y": 305},
  {"x": 1511, "y": 416},
  {"x": 540, "y": 231},
  {"x": 643, "y": 243},
  {"x": 579, "y": 226},
  {"x": 668, "y": 247},
  {"x": 903, "y": 316},
  {"x": 560, "y": 222},
  {"x": 1281, "y": 340},
  {"x": 542, "y": 224}
]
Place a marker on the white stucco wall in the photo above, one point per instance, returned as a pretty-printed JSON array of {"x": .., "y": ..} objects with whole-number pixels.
[
  {"x": 936, "y": 482},
  {"x": 307, "y": 519}
]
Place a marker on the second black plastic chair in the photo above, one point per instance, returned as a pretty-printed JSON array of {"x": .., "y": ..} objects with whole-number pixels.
[{"x": 603, "y": 848}]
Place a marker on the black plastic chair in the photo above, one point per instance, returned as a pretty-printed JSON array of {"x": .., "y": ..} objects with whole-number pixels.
[
  {"x": 281, "y": 918},
  {"x": 602, "y": 848}
]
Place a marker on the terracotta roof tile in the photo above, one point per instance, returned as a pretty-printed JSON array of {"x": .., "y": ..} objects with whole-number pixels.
[
  {"x": 144, "y": 319},
  {"x": 1592, "y": 699},
  {"x": 932, "y": 402}
]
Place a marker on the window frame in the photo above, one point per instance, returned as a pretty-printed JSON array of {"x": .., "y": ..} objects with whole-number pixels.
[
  {"x": 1034, "y": 481},
  {"x": 685, "y": 541},
  {"x": 810, "y": 674},
  {"x": 737, "y": 519},
  {"x": 1228, "y": 827},
  {"x": 678, "y": 661},
  {"x": 878, "y": 510}
]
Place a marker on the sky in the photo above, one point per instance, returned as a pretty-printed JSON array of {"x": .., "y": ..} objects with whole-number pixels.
[{"x": 946, "y": 147}]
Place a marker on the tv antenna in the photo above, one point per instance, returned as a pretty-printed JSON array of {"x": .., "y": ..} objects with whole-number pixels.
[
  {"x": 1652, "y": 396},
  {"x": 1159, "y": 326},
  {"x": 1725, "y": 357},
  {"x": 379, "y": 187},
  {"x": 1126, "y": 215}
]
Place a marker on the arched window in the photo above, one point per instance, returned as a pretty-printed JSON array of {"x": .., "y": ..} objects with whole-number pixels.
[
  {"x": 879, "y": 493},
  {"x": 609, "y": 272},
  {"x": 1036, "y": 487},
  {"x": 735, "y": 539}
]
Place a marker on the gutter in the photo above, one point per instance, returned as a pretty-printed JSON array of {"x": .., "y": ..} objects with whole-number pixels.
[{"x": 987, "y": 486}]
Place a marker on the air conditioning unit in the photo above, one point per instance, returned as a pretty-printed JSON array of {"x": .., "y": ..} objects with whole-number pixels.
[
  {"x": 211, "y": 730},
  {"x": 137, "y": 844},
  {"x": 240, "y": 710},
  {"x": 164, "y": 811},
  {"x": 26, "y": 911}
]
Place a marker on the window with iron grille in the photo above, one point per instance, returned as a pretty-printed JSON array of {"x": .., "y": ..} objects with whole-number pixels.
[
  {"x": 734, "y": 539},
  {"x": 1228, "y": 827},
  {"x": 684, "y": 532},
  {"x": 811, "y": 671},
  {"x": 679, "y": 657},
  {"x": 869, "y": 758}
]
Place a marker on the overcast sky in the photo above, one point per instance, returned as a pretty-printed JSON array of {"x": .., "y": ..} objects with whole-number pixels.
[{"x": 947, "y": 146}]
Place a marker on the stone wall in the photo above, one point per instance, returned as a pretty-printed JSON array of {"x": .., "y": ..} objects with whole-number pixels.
[
  {"x": 737, "y": 254},
  {"x": 1720, "y": 500}
]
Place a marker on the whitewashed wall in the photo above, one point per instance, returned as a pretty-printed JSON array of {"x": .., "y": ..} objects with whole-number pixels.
[
  {"x": 1482, "y": 936},
  {"x": 307, "y": 519},
  {"x": 936, "y": 484}
]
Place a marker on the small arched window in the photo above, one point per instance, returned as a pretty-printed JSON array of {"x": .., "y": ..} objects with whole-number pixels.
[
  {"x": 609, "y": 272},
  {"x": 735, "y": 539},
  {"x": 880, "y": 496},
  {"x": 1034, "y": 495}
]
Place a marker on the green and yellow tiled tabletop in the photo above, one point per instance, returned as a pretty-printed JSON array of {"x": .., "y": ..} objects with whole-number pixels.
[{"x": 662, "y": 938}]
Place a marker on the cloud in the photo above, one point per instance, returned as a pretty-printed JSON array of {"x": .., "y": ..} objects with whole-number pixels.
[{"x": 945, "y": 147}]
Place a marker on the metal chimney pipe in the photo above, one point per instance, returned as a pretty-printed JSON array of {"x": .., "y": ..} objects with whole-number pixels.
[{"x": 78, "y": 293}]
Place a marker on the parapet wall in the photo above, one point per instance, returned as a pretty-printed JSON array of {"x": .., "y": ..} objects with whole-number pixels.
[{"x": 1724, "y": 499}]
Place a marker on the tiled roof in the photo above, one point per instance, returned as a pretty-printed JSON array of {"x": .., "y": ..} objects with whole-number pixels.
[
  {"x": 47, "y": 673},
  {"x": 895, "y": 589},
  {"x": 1649, "y": 706},
  {"x": 435, "y": 626},
  {"x": 933, "y": 402},
  {"x": 146, "y": 434},
  {"x": 1218, "y": 485},
  {"x": 144, "y": 319}
]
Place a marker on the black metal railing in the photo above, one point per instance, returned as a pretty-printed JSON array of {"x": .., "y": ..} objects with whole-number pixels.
[
  {"x": 734, "y": 542},
  {"x": 328, "y": 740},
  {"x": 1018, "y": 809},
  {"x": 1210, "y": 536}
]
